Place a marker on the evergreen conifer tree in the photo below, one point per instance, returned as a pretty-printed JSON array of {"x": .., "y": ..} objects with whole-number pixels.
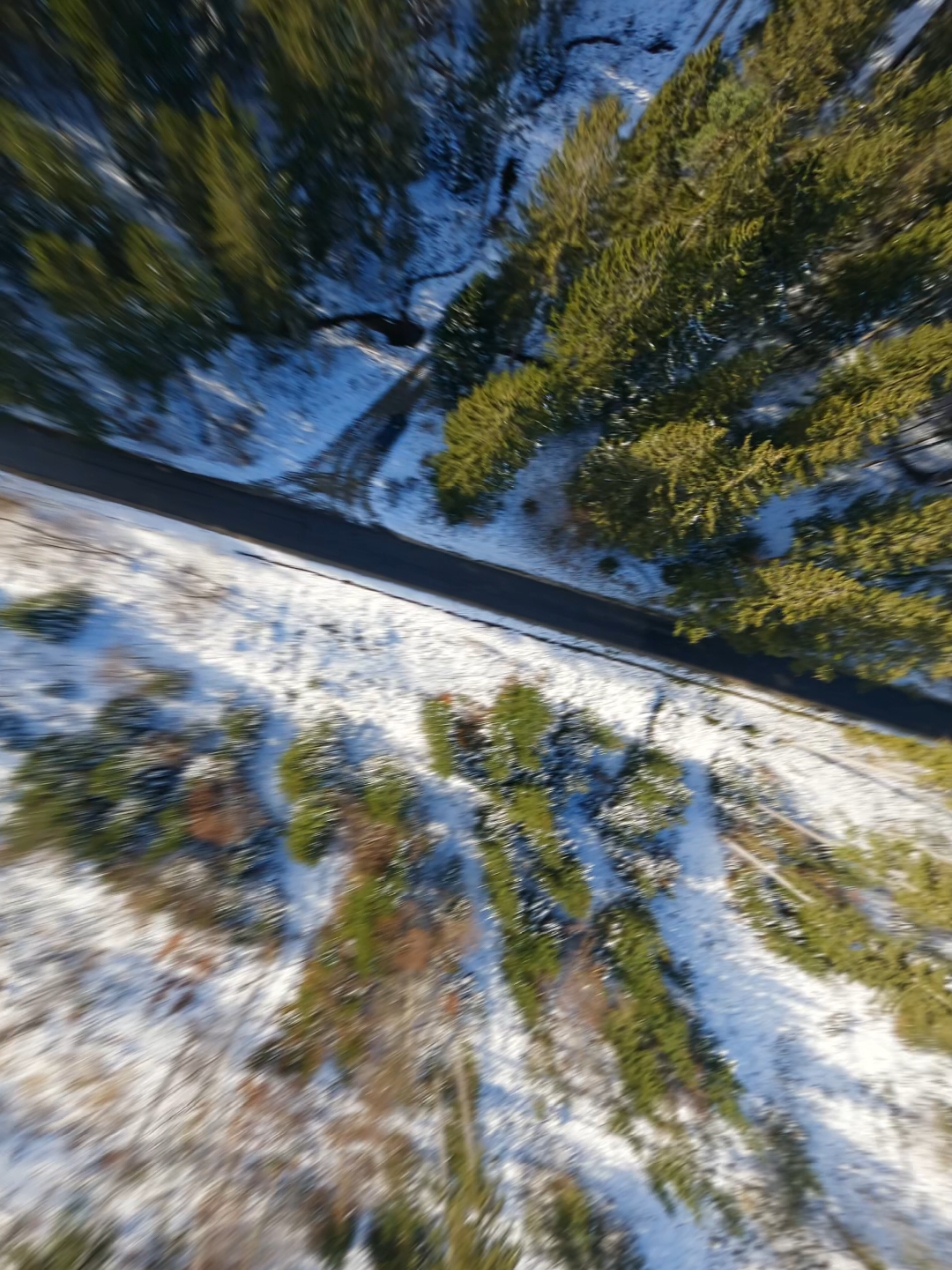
[
  {"x": 490, "y": 435},
  {"x": 466, "y": 341},
  {"x": 564, "y": 222},
  {"x": 34, "y": 376},
  {"x": 237, "y": 209},
  {"x": 144, "y": 321},
  {"x": 341, "y": 74},
  {"x": 864, "y": 401},
  {"x": 675, "y": 485}
]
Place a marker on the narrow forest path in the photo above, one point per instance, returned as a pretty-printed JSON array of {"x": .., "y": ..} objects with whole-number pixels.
[{"x": 343, "y": 472}]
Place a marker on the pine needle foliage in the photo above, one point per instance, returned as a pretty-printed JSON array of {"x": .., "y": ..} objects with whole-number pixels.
[
  {"x": 658, "y": 1047},
  {"x": 438, "y": 728},
  {"x": 402, "y": 1238},
  {"x": 466, "y": 341},
  {"x": 530, "y": 958},
  {"x": 896, "y": 540},
  {"x": 474, "y": 1234},
  {"x": 71, "y": 1244},
  {"x": 55, "y": 615},
  {"x": 519, "y": 720},
  {"x": 864, "y": 401},
  {"x": 829, "y": 934},
  {"x": 577, "y": 1235},
  {"x": 677, "y": 485},
  {"x": 766, "y": 214},
  {"x": 920, "y": 883},
  {"x": 933, "y": 759},
  {"x": 36, "y": 377},
  {"x": 490, "y": 435},
  {"x": 310, "y": 774},
  {"x": 564, "y": 223},
  {"x": 342, "y": 76},
  {"x": 824, "y": 620}
]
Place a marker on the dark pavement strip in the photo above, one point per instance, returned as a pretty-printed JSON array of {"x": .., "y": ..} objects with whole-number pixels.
[{"x": 116, "y": 475}]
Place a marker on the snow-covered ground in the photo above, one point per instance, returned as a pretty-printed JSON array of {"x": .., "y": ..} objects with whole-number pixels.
[
  {"x": 98, "y": 1004},
  {"x": 255, "y": 415}
]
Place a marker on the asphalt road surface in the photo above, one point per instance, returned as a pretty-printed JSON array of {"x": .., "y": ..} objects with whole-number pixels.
[{"x": 62, "y": 460}]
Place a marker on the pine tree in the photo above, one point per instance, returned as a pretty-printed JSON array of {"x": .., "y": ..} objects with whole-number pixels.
[
  {"x": 144, "y": 321},
  {"x": 83, "y": 25},
  {"x": 498, "y": 27},
  {"x": 675, "y": 485},
  {"x": 474, "y": 109},
  {"x": 341, "y": 74},
  {"x": 812, "y": 611},
  {"x": 249, "y": 215},
  {"x": 898, "y": 541},
  {"x": 35, "y": 377},
  {"x": 829, "y": 622},
  {"x": 489, "y": 436},
  {"x": 134, "y": 55},
  {"x": 182, "y": 297},
  {"x": 237, "y": 209},
  {"x": 810, "y": 46},
  {"x": 864, "y": 401},
  {"x": 563, "y": 225},
  {"x": 60, "y": 192},
  {"x": 466, "y": 341}
]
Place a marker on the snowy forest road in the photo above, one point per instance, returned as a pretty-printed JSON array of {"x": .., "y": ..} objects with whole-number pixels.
[{"x": 105, "y": 472}]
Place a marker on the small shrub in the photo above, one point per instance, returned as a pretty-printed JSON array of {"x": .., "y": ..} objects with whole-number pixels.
[
  {"x": 331, "y": 1015},
  {"x": 403, "y": 1238},
  {"x": 167, "y": 683},
  {"x": 565, "y": 883},
  {"x": 310, "y": 776},
  {"x": 172, "y": 825},
  {"x": 830, "y": 935},
  {"x": 648, "y": 800},
  {"x": 785, "y": 1148},
  {"x": 676, "y": 1172},
  {"x": 125, "y": 719},
  {"x": 465, "y": 342},
  {"x": 649, "y": 797},
  {"x": 113, "y": 778},
  {"x": 311, "y": 762},
  {"x": 311, "y": 829},
  {"x": 919, "y": 884},
  {"x": 608, "y": 565},
  {"x": 658, "y": 1046},
  {"x": 578, "y": 1236},
  {"x": 71, "y": 1245},
  {"x": 531, "y": 810},
  {"x": 331, "y": 1229},
  {"x": 122, "y": 792},
  {"x": 472, "y": 1205},
  {"x": 438, "y": 724},
  {"x": 388, "y": 795},
  {"x": 518, "y": 722},
  {"x": 242, "y": 726},
  {"x": 54, "y": 615},
  {"x": 365, "y": 908},
  {"x": 530, "y": 958}
]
